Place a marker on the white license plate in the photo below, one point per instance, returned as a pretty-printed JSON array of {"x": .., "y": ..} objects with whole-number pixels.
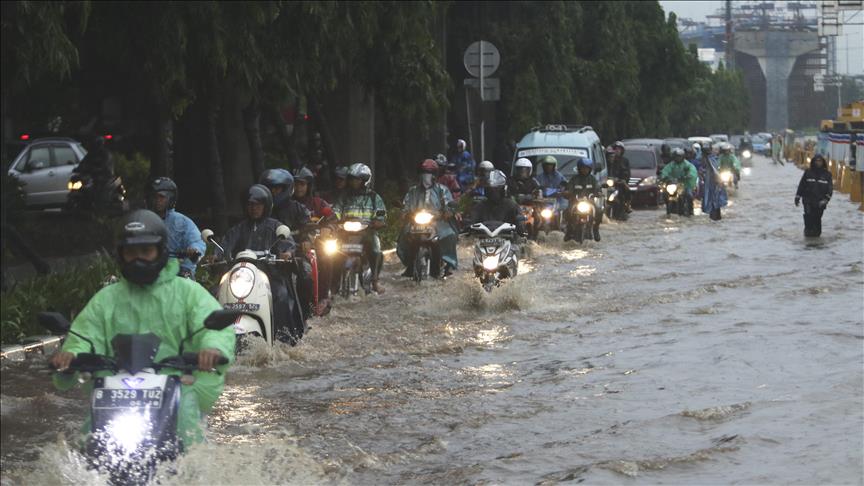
[
  {"x": 352, "y": 248},
  {"x": 241, "y": 306},
  {"x": 127, "y": 398}
]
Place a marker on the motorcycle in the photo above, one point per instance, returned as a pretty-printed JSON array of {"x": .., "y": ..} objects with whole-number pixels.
[
  {"x": 246, "y": 287},
  {"x": 677, "y": 200},
  {"x": 312, "y": 232},
  {"x": 84, "y": 195},
  {"x": 134, "y": 409},
  {"x": 616, "y": 207},
  {"x": 423, "y": 236},
  {"x": 582, "y": 219},
  {"x": 356, "y": 272},
  {"x": 494, "y": 254},
  {"x": 727, "y": 178}
]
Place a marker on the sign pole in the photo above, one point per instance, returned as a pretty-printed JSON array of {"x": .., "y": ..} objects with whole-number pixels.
[{"x": 482, "y": 115}]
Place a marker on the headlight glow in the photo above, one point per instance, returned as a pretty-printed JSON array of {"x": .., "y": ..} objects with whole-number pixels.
[
  {"x": 241, "y": 282},
  {"x": 490, "y": 263},
  {"x": 546, "y": 213},
  {"x": 74, "y": 186},
  {"x": 746, "y": 154},
  {"x": 127, "y": 431},
  {"x": 610, "y": 182},
  {"x": 331, "y": 247},
  {"x": 672, "y": 188},
  {"x": 611, "y": 197},
  {"x": 423, "y": 218},
  {"x": 746, "y": 171},
  {"x": 726, "y": 176},
  {"x": 583, "y": 207},
  {"x": 352, "y": 226},
  {"x": 648, "y": 181}
]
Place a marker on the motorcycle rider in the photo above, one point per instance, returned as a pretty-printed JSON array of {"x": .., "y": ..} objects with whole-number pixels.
[
  {"x": 681, "y": 172},
  {"x": 340, "y": 182},
  {"x": 464, "y": 162},
  {"x": 184, "y": 237},
  {"x": 583, "y": 184},
  {"x": 290, "y": 212},
  {"x": 496, "y": 206},
  {"x": 665, "y": 156},
  {"x": 550, "y": 178},
  {"x": 523, "y": 186},
  {"x": 619, "y": 169},
  {"x": 437, "y": 199},
  {"x": 151, "y": 298},
  {"x": 478, "y": 187},
  {"x": 816, "y": 187},
  {"x": 728, "y": 161},
  {"x": 447, "y": 176},
  {"x": 361, "y": 202},
  {"x": 258, "y": 232},
  {"x": 304, "y": 193}
]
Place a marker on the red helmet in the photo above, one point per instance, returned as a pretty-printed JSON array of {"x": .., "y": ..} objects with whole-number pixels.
[{"x": 429, "y": 166}]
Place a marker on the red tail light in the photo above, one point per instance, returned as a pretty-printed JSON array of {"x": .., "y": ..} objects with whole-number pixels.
[
  {"x": 108, "y": 136},
  {"x": 25, "y": 136}
]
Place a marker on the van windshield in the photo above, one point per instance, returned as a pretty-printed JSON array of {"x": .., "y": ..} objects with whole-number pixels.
[{"x": 567, "y": 157}]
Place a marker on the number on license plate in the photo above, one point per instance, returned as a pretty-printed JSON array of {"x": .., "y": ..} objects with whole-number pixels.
[
  {"x": 242, "y": 306},
  {"x": 490, "y": 241},
  {"x": 127, "y": 398},
  {"x": 352, "y": 248}
]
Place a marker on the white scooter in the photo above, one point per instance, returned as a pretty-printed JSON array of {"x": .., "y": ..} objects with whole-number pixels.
[
  {"x": 246, "y": 287},
  {"x": 495, "y": 257}
]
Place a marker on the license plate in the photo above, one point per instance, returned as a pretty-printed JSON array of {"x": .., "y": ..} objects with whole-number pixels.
[
  {"x": 241, "y": 306},
  {"x": 491, "y": 241},
  {"x": 421, "y": 229},
  {"x": 352, "y": 248},
  {"x": 127, "y": 398}
]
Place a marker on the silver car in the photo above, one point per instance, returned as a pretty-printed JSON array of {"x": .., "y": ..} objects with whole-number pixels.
[{"x": 44, "y": 167}]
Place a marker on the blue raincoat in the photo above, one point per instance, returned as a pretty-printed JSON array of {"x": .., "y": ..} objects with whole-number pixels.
[
  {"x": 434, "y": 199},
  {"x": 714, "y": 194},
  {"x": 183, "y": 234},
  {"x": 465, "y": 166}
]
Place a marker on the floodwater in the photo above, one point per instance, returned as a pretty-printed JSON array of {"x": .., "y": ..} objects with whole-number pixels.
[{"x": 676, "y": 350}]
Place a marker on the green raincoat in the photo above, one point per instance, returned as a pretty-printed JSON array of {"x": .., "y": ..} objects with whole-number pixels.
[
  {"x": 729, "y": 161},
  {"x": 681, "y": 171},
  {"x": 435, "y": 199},
  {"x": 172, "y": 308}
]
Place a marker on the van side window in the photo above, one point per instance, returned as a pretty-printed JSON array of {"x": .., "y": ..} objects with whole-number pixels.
[{"x": 599, "y": 158}]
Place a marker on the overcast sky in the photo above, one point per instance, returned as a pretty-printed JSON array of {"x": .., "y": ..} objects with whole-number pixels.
[{"x": 850, "y": 45}]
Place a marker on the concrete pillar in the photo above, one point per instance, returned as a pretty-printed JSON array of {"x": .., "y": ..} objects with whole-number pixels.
[{"x": 776, "y": 52}]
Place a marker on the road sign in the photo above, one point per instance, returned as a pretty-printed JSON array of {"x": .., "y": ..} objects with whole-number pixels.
[
  {"x": 491, "y": 88},
  {"x": 489, "y": 54}
]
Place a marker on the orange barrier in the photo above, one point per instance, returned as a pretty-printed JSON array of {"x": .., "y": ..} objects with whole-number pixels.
[{"x": 855, "y": 186}]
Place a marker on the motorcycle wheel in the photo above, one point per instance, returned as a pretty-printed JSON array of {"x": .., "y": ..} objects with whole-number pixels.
[
  {"x": 670, "y": 208},
  {"x": 421, "y": 264},
  {"x": 345, "y": 287},
  {"x": 579, "y": 232}
]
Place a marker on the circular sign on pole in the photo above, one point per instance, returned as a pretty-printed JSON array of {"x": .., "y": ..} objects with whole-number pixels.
[{"x": 481, "y": 53}]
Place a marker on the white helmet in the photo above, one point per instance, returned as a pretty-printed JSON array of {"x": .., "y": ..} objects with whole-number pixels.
[
  {"x": 523, "y": 163},
  {"x": 362, "y": 172},
  {"x": 678, "y": 151},
  {"x": 486, "y": 165},
  {"x": 696, "y": 146},
  {"x": 461, "y": 143}
]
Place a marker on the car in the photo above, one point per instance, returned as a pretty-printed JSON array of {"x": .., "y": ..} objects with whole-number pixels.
[
  {"x": 719, "y": 137},
  {"x": 681, "y": 143},
  {"x": 568, "y": 143},
  {"x": 44, "y": 167},
  {"x": 644, "y": 162},
  {"x": 761, "y": 145}
]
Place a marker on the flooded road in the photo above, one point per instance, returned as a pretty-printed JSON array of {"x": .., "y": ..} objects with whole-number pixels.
[{"x": 675, "y": 350}]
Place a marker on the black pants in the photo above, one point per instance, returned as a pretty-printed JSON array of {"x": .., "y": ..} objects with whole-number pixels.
[
  {"x": 434, "y": 258},
  {"x": 813, "y": 219},
  {"x": 288, "y": 320}
]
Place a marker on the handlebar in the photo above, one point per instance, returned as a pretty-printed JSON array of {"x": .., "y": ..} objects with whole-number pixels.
[{"x": 88, "y": 362}]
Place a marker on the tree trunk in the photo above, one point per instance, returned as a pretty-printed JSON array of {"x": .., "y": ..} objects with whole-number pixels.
[
  {"x": 271, "y": 112},
  {"x": 217, "y": 184},
  {"x": 326, "y": 135},
  {"x": 163, "y": 160},
  {"x": 252, "y": 126}
]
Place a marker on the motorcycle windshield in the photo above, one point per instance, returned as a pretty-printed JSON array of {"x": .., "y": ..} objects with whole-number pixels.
[
  {"x": 549, "y": 191},
  {"x": 134, "y": 352}
]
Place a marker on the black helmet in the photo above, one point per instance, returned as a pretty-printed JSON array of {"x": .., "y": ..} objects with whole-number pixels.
[
  {"x": 138, "y": 228},
  {"x": 259, "y": 193},
  {"x": 166, "y": 187},
  {"x": 278, "y": 177}
]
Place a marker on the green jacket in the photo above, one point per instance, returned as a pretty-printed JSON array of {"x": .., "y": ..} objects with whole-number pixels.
[
  {"x": 681, "y": 171},
  {"x": 363, "y": 206},
  {"x": 729, "y": 161},
  {"x": 171, "y": 308}
]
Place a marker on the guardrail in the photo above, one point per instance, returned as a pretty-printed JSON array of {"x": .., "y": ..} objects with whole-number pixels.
[{"x": 41, "y": 344}]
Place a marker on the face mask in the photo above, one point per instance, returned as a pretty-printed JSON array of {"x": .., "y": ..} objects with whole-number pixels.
[
  {"x": 426, "y": 180},
  {"x": 142, "y": 272}
]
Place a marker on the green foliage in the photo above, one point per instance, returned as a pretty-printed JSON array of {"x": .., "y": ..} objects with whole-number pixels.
[
  {"x": 65, "y": 292},
  {"x": 135, "y": 171}
]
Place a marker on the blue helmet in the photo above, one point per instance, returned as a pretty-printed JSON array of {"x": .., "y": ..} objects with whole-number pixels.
[
  {"x": 278, "y": 177},
  {"x": 584, "y": 162}
]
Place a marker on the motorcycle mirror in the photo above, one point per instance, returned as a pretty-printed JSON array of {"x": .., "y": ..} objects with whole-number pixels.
[
  {"x": 206, "y": 234},
  {"x": 56, "y": 322},
  {"x": 220, "y": 319},
  {"x": 283, "y": 232}
]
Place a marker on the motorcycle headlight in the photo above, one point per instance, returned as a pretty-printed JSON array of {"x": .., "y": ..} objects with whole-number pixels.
[
  {"x": 610, "y": 183},
  {"x": 726, "y": 176},
  {"x": 490, "y": 263},
  {"x": 648, "y": 181},
  {"x": 746, "y": 154},
  {"x": 352, "y": 226},
  {"x": 127, "y": 431},
  {"x": 746, "y": 171},
  {"x": 612, "y": 197},
  {"x": 672, "y": 188},
  {"x": 241, "y": 282},
  {"x": 331, "y": 247},
  {"x": 546, "y": 213},
  {"x": 583, "y": 207},
  {"x": 74, "y": 186},
  {"x": 423, "y": 218}
]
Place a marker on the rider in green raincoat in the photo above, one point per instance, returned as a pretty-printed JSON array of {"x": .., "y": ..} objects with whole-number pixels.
[
  {"x": 151, "y": 298},
  {"x": 435, "y": 198}
]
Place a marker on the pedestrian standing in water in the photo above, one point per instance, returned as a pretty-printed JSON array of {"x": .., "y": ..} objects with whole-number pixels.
[
  {"x": 815, "y": 189},
  {"x": 713, "y": 193}
]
